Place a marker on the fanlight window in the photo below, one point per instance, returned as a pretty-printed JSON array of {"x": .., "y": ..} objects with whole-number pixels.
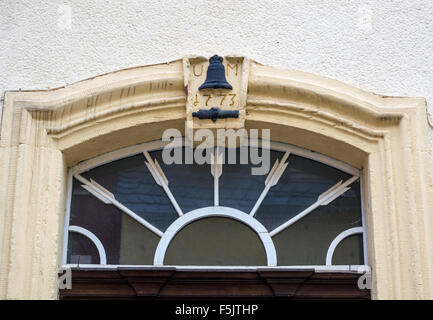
[{"x": 130, "y": 208}]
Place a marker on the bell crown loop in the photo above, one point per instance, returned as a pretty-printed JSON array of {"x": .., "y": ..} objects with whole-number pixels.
[{"x": 215, "y": 59}]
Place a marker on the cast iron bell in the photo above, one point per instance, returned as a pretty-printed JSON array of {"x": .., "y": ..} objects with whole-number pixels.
[{"x": 216, "y": 75}]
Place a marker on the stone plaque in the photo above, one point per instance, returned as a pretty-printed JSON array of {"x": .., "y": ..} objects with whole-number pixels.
[{"x": 236, "y": 72}]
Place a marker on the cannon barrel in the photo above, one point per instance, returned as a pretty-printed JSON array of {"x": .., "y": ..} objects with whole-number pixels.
[{"x": 215, "y": 113}]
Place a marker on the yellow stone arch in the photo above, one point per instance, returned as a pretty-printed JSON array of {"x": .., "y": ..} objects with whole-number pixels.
[{"x": 43, "y": 133}]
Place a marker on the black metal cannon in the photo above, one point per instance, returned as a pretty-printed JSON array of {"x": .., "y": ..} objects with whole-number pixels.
[{"x": 215, "y": 113}]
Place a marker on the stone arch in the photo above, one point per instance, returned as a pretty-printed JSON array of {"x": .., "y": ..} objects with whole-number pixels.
[{"x": 44, "y": 133}]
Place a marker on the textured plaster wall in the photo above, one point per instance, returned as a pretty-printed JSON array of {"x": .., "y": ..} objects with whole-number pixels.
[{"x": 381, "y": 46}]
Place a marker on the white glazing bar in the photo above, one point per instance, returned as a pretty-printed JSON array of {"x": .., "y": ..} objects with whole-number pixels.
[
  {"x": 316, "y": 157},
  {"x": 179, "y": 141},
  {"x": 226, "y": 212},
  {"x": 216, "y": 195},
  {"x": 316, "y": 268},
  {"x": 113, "y": 201},
  {"x": 161, "y": 180},
  {"x": 364, "y": 234},
  {"x": 216, "y": 171},
  {"x": 324, "y": 199},
  {"x": 272, "y": 179},
  {"x": 95, "y": 240},
  {"x": 123, "y": 153},
  {"x": 67, "y": 216},
  {"x": 338, "y": 239}
]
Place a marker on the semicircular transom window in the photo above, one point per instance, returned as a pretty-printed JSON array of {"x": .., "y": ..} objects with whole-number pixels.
[{"x": 137, "y": 209}]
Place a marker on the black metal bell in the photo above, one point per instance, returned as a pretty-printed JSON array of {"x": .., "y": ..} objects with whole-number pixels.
[{"x": 216, "y": 75}]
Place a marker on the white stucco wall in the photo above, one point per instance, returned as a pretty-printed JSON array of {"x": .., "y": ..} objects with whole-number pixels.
[{"x": 381, "y": 46}]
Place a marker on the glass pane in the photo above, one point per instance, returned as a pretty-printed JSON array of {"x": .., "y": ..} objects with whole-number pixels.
[
  {"x": 349, "y": 251},
  {"x": 81, "y": 250},
  {"x": 133, "y": 185},
  {"x": 307, "y": 241},
  {"x": 238, "y": 188},
  {"x": 125, "y": 241},
  {"x": 101, "y": 219},
  {"x": 299, "y": 187},
  {"x": 191, "y": 184},
  {"x": 216, "y": 242},
  {"x": 137, "y": 244}
]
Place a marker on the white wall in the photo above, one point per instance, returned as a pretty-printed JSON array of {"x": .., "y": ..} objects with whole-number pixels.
[{"x": 382, "y": 46}]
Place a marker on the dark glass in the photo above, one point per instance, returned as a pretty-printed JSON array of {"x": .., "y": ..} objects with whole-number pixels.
[
  {"x": 101, "y": 219},
  {"x": 137, "y": 244},
  {"x": 349, "y": 251},
  {"x": 125, "y": 241},
  {"x": 307, "y": 241},
  {"x": 216, "y": 241},
  {"x": 133, "y": 185},
  {"x": 191, "y": 184},
  {"x": 298, "y": 188},
  {"x": 81, "y": 250},
  {"x": 238, "y": 188}
]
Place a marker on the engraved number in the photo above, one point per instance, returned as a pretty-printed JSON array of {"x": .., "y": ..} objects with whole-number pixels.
[
  {"x": 208, "y": 98},
  {"x": 196, "y": 100},
  {"x": 223, "y": 97},
  {"x": 232, "y": 100}
]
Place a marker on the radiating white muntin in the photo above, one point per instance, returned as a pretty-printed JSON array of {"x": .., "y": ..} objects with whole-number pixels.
[{"x": 216, "y": 170}]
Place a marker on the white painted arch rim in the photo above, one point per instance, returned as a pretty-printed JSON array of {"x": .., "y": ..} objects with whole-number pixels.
[
  {"x": 94, "y": 239},
  {"x": 159, "y": 144},
  {"x": 345, "y": 234},
  {"x": 207, "y": 212}
]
